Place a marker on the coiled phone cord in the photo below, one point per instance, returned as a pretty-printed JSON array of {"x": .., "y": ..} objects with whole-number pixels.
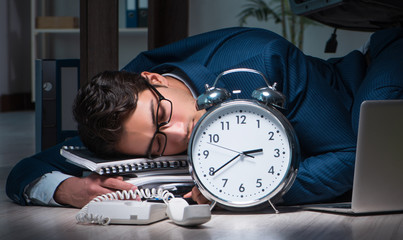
[{"x": 84, "y": 217}]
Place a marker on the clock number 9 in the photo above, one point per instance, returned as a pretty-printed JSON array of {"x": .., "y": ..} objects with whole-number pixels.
[{"x": 205, "y": 153}]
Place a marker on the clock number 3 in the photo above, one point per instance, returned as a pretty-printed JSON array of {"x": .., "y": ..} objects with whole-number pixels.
[{"x": 276, "y": 152}]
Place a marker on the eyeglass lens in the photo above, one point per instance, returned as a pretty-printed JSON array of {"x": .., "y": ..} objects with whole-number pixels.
[{"x": 163, "y": 116}]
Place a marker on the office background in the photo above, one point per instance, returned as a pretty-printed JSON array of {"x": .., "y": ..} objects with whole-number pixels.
[
  {"x": 15, "y": 55},
  {"x": 204, "y": 15}
]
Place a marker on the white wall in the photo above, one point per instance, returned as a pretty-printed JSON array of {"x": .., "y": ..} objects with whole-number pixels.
[
  {"x": 14, "y": 46},
  {"x": 207, "y": 15},
  {"x": 3, "y": 48}
]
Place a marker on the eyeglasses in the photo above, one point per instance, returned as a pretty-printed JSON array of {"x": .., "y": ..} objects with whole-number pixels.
[{"x": 162, "y": 118}]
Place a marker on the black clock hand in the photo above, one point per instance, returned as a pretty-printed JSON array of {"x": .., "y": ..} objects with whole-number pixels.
[
  {"x": 252, "y": 151},
  {"x": 246, "y": 154},
  {"x": 239, "y": 154}
]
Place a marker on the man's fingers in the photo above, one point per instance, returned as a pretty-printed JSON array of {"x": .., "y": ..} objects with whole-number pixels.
[
  {"x": 111, "y": 182},
  {"x": 188, "y": 195},
  {"x": 97, "y": 191},
  {"x": 197, "y": 196},
  {"x": 117, "y": 184},
  {"x": 118, "y": 177}
]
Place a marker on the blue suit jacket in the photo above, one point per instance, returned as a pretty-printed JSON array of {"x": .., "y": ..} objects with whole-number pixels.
[{"x": 323, "y": 99}]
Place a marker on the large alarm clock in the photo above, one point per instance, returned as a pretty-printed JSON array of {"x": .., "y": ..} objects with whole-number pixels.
[{"x": 244, "y": 152}]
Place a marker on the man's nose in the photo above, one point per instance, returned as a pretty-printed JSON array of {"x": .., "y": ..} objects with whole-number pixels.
[{"x": 175, "y": 131}]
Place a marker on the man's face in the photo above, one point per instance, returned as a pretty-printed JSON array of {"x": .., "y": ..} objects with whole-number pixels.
[{"x": 140, "y": 127}]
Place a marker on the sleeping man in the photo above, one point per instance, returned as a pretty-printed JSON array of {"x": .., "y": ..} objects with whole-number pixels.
[{"x": 148, "y": 109}]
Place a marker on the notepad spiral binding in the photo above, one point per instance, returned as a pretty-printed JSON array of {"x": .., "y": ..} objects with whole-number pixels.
[
  {"x": 82, "y": 157},
  {"x": 142, "y": 167}
]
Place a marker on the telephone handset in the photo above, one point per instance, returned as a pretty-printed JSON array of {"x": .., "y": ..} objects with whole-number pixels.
[{"x": 120, "y": 208}]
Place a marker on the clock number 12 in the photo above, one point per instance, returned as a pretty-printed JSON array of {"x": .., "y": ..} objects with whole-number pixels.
[{"x": 241, "y": 119}]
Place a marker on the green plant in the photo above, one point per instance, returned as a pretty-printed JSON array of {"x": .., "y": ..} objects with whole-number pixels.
[{"x": 293, "y": 26}]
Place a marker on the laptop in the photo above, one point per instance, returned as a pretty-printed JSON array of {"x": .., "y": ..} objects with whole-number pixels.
[{"x": 378, "y": 174}]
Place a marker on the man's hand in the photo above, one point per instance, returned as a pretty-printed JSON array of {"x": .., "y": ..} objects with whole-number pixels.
[
  {"x": 77, "y": 192},
  {"x": 196, "y": 195}
]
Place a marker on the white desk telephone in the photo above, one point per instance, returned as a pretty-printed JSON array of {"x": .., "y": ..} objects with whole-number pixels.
[{"x": 116, "y": 208}]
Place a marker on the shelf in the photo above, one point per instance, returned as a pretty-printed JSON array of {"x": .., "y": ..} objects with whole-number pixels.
[
  {"x": 57, "y": 42},
  {"x": 133, "y": 30},
  {"x": 77, "y": 30},
  {"x": 56, "y": 30}
]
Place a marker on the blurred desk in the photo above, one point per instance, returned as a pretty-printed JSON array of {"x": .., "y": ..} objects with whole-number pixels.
[{"x": 18, "y": 222}]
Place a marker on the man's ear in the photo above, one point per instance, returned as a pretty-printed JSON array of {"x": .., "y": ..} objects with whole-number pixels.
[{"x": 155, "y": 78}]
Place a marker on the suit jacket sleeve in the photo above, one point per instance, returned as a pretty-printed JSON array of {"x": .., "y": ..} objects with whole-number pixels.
[{"x": 32, "y": 168}]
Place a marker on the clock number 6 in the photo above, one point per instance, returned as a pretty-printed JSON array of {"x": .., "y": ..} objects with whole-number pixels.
[{"x": 242, "y": 188}]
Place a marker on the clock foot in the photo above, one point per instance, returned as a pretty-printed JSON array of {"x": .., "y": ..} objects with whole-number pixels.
[
  {"x": 274, "y": 208},
  {"x": 212, "y": 205}
]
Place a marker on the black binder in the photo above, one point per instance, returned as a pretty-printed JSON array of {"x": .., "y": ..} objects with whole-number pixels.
[
  {"x": 142, "y": 13},
  {"x": 57, "y": 82}
]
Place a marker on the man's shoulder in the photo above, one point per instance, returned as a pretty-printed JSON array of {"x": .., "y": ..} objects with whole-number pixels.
[
  {"x": 382, "y": 39},
  {"x": 241, "y": 30}
]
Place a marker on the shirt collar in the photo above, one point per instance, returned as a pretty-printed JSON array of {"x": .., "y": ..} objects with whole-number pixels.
[{"x": 181, "y": 77}]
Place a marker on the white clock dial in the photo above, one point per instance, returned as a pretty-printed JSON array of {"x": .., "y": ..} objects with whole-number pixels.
[{"x": 241, "y": 154}]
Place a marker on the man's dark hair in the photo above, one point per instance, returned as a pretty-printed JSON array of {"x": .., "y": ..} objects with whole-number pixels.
[{"x": 101, "y": 107}]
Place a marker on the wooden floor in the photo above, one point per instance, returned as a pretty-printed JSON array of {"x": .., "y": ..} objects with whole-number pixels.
[
  {"x": 17, "y": 140},
  {"x": 17, "y": 136}
]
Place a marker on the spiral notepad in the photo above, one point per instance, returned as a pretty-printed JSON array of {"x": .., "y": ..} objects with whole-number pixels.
[{"x": 84, "y": 158}]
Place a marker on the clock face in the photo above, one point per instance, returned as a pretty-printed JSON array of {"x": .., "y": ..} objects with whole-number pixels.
[{"x": 241, "y": 153}]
